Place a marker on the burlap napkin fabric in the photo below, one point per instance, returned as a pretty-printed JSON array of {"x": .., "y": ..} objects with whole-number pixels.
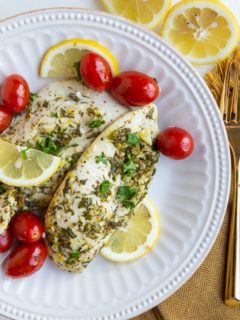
[{"x": 201, "y": 298}]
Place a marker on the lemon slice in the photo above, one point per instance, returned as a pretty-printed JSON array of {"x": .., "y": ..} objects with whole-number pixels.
[
  {"x": 22, "y": 167},
  {"x": 148, "y": 12},
  {"x": 203, "y": 31},
  {"x": 59, "y": 59},
  {"x": 140, "y": 235}
]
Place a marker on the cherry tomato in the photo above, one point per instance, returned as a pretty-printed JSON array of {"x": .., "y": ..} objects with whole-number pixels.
[
  {"x": 175, "y": 143},
  {"x": 15, "y": 93},
  {"x": 25, "y": 259},
  {"x": 5, "y": 118},
  {"x": 6, "y": 240},
  {"x": 27, "y": 227},
  {"x": 95, "y": 72},
  {"x": 133, "y": 88}
]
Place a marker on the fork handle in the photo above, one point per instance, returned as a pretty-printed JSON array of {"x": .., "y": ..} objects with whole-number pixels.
[{"x": 232, "y": 289}]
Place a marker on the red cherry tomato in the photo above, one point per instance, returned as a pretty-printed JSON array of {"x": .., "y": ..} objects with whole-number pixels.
[
  {"x": 95, "y": 72},
  {"x": 175, "y": 143},
  {"x": 27, "y": 227},
  {"x": 15, "y": 93},
  {"x": 5, "y": 118},
  {"x": 133, "y": 88},
  {"x": 6, "y": 240},
  {"x": 25, "y": 259}
]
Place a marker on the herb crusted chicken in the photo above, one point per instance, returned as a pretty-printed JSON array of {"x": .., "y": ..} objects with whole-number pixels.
[
  {"x": 63, "y": 119},
  {"x": 99, "y": 193}
]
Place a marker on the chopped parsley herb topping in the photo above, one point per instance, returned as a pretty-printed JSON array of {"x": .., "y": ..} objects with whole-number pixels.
[
  {"x": 49, "y": 145},
  {"x": 24, "y": 153},
  {"x": 95, "y": 123},
  {"x": 54, "y": 114},
  {"x": 102, "y": 158},
  {"x": 129, "y": 167},
  {"x": 74, "y": 256},
  {"x": 104, "y": 187},
  {"x": 2, "y": 190},
  {"x": 125, "y": 194},
  {"x": 33, "y": 96},
  {"x": 76, "y": 66},
  {"x": 132, "y": 138},
  {"x": 129, "y": 204}
]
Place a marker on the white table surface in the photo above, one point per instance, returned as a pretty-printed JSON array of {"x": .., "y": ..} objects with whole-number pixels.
[{"x": 12, "y": 7}]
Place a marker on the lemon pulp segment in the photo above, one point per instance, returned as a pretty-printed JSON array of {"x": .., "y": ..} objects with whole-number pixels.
[{"x": 24, "y": 167}]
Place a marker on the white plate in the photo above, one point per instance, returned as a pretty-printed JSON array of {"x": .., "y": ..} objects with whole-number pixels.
[{"x": 191, "y": 195}]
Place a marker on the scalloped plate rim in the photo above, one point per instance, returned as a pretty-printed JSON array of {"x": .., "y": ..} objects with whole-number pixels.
[{"x": 141, "y": 306}]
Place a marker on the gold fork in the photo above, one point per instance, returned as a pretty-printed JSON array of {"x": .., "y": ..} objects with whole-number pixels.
[{"x": 230, "y": 110}]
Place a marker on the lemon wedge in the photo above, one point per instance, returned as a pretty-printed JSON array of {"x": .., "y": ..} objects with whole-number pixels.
[
  {"x": 203, "y": 31},
  {"x": 60, "y": 60},
  {"x": 137, "y": 238},
  {"x": 23, "y": 167},
  {"x": 149, "y": 13}
]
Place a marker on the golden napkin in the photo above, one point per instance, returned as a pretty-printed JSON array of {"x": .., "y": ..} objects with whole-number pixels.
[{"x": 202, "y": 297}]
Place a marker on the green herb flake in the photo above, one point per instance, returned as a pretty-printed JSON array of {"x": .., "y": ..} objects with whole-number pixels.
[
  {"x": 45, "y": 104},
  {"x": 74, "y": 256},
  {"x": 126, "y": 193},
  {"x": 76, "y": 66},
  {"x": 129, "y": 167},
  {"x": 49, "y": 145},
  {"x": 73, "y": 161},
  {"x": 24, "y": 153},
  {"x": 95, "y": 123},
  {"x": 129, "y": 204},
  {"x": 132, "y": 138},
  {"x": 104, "y": 187},
  {"x": 33, "y": 96},
  {"x": 102, "y": 158},
  {"x": 85, "y": 203},
  {"x": 73, "y": 97},
  {"x": 54, "y": 114}
]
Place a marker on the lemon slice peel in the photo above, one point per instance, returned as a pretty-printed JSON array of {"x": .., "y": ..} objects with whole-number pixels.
[{"x": 59, "y": 59}]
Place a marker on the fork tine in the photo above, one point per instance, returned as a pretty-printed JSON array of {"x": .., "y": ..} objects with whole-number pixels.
[
  {"x": 229, "y": 93},
  {"x": 234, "y": 94},
  {"x": 224, "y": 102},
  {"x": 237, "y": 97}
]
